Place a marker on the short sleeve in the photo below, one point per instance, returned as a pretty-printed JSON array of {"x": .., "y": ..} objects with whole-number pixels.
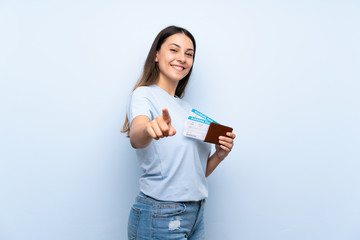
[{"x": 139, "y": 104}]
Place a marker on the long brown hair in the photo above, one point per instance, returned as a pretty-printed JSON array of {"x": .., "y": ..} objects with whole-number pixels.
[{"x": 151, "y": 70}]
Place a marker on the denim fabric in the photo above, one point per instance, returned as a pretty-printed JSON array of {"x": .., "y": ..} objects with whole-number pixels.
[{"x": 153, "y": 219}]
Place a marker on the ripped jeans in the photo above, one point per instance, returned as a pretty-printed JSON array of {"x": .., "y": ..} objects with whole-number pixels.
[{"x": 153, "y": 219}]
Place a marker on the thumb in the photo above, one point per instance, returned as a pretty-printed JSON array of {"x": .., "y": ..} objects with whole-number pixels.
[
  {"x": 166, "y": 115},
  {"x": 172, "y": 130}
]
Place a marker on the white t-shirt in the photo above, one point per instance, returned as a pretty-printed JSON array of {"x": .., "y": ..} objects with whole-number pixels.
[{"x": 173, "y": 167}]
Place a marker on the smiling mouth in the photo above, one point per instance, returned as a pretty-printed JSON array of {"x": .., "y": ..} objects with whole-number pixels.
[{"x": 180, "y": 68}]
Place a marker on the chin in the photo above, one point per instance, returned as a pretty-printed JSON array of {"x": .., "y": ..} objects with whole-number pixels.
[{"x": 178, "y": 79}]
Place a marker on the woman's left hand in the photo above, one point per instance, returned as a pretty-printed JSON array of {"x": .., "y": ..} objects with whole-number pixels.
[{"x": 225, "y": 145}]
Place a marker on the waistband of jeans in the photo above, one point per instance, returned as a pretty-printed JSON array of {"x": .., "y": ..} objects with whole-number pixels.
[{"x": 149, "y": 199}]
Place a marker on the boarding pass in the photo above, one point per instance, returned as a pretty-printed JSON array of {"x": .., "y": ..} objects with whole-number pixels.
[{"x": 204, "y": 128}]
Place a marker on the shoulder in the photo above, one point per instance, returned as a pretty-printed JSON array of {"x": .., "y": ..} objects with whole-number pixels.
[
  {"x": 141, "y": 102},
  {"x": 143, "y": 93}
]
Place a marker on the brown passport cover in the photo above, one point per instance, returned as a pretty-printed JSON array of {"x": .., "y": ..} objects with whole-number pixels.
[{"x": 215, "y": 131}]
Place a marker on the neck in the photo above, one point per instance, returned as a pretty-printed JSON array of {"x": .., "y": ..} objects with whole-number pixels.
[{"x": 168, "y": 86}]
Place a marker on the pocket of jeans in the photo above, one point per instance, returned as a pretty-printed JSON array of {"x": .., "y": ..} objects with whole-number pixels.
[
  {"x": 133, "y": 223},
  {"x": 170, "y": 209}
]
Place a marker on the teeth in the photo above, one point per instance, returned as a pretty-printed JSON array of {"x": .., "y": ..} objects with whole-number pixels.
[{"x": 179, "y": 68}]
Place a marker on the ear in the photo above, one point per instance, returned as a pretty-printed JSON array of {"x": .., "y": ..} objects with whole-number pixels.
[{"x": 156, "y": 57}]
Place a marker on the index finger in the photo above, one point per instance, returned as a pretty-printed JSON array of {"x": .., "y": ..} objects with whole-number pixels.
[
  {"x": 230, "y": 134},
  {"x": 166, "y": 115}
]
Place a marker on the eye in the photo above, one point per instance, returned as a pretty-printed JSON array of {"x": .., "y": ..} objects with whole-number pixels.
[
  {"x": 189, "y": 54},
  {"x": 173, "y": 50}
]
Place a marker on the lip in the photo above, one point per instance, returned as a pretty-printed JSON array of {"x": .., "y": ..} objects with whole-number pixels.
[{"x": 178, "y": 67}]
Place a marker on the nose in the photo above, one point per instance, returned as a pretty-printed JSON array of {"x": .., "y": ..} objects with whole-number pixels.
[{"x": 181, "y": 57}]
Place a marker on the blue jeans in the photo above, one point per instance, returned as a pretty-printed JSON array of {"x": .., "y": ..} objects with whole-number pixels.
[{"x": 153, "y": 219}]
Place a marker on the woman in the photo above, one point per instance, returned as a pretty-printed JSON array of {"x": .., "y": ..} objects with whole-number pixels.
[{"x": 173, "y": 186}]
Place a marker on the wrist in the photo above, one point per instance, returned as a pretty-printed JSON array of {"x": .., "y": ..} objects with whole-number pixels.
[{"x": 219, "y": 156}]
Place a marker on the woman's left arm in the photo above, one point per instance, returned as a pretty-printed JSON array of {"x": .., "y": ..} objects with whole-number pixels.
[{"x": 222, "y": 150}]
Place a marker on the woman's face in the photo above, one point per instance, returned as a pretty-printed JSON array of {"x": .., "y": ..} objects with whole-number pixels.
[{"x": 175, "y": 57}]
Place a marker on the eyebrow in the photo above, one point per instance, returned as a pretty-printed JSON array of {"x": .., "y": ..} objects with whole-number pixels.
[{"x": 180, "y": 47}]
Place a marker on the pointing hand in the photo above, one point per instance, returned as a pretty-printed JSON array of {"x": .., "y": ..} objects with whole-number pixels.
[{"x": 161, "y": 126}]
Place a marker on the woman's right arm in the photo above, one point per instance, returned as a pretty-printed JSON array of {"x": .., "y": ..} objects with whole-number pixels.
[
  {"x": 139, "y": 137},
  {"x": 142, "y": 130}
]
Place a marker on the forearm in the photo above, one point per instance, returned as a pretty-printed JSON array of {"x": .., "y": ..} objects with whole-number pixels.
[
  {"x": 222, "y": 150},
  {"x": 139, "y": 137},
  {"x": 212, "y": 163}
]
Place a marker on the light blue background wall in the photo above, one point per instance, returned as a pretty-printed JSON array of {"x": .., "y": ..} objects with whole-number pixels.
[{"x": 284, "y": 74}]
